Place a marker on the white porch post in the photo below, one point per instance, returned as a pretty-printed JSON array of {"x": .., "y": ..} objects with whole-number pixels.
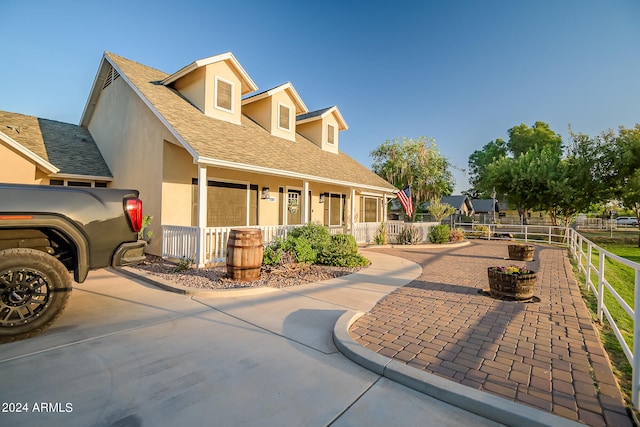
[
  {"x": 202, "y": 214},
  {"x": 384, "y": 208},
  {"x": 353, "y": 209},
  {"x": 306, "y": 203}
]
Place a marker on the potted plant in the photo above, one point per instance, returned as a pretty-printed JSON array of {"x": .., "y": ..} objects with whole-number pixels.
[
  {"x": 512, "y": 282},
  {"x": 521, "y": 252}
]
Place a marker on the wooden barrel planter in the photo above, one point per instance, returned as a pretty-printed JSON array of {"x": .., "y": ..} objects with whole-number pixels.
[
  {"x": 521, "y": 252},
  {"x": 518, "y": 287},
  {"x": 244, "y": 254}
]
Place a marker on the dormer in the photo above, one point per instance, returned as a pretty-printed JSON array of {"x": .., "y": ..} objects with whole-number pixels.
[
  {"x": 276, "y": 110},
  {"x": 214, "y": 85},
  {"x": 321, "y": 127}
]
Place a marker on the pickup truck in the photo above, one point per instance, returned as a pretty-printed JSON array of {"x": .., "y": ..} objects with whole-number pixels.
[{"x": 49, "y": 234}]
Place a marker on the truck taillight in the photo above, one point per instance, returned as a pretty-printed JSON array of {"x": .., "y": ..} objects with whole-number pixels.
[{"x": 134, "y": 212}]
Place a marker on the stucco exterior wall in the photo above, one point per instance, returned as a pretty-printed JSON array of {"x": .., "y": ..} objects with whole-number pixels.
[
  {"x": 282, "y": 98},
  {"x": 260, "y": 112},
  {"x": 16, "y": 169},
  {"x": 178, "y": 170},
  {"x": 192, "y": 87},
  {"x": 223, "y": 71},
  {"x": 312, "y": 131},
  {"x": 330, "y": 120},
  {"x": 130, "y": 138}
]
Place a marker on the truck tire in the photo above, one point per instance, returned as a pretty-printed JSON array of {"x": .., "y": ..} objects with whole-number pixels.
[{"x": 34, "y": 289}]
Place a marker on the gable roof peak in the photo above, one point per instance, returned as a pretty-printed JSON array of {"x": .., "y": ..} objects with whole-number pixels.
[
  {"x": 301, "y": 108},
  {"x": 322, "y": 113},
  {"x": 248, "y": 85}
]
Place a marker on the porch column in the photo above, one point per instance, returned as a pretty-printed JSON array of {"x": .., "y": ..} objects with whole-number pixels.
[
  {"x": 384, "y": 208},
  {"x": 202, "y": 214},
  {"x": 353, "y": 209},
  {"x": 306, "y": 203}
]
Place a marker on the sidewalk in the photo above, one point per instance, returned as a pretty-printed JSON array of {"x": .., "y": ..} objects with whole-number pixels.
[{"x": 544, "y": 354}]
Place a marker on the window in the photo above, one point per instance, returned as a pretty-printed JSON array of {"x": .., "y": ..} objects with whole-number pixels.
[
  {"x": 224, "y": 95},
  {"x": 229, "y": 204},
  {"x": 369, "y": 210},
  {"x": 68, "y": 183},
  {"x": 331, "y": 134},
  {"x": 334, "y": 209},
  {"x": 283, "y": 117}
]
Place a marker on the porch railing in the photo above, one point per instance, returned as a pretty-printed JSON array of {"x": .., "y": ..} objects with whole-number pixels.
[{"x": 208, "y": 245}]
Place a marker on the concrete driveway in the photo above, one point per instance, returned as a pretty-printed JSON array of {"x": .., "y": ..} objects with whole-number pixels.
[{"x": 126, "y": 353}]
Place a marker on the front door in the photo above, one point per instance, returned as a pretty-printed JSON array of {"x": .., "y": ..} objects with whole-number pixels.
[{"x": 294, "y": 207}]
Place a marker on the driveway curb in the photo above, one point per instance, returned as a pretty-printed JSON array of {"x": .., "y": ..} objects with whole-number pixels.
[{"x": 479, "y": 402}]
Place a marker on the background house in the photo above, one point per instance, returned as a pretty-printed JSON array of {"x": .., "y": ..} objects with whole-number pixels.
[
  {"x": 205, "y": 158},
  {"x": 47, "y": 152}
]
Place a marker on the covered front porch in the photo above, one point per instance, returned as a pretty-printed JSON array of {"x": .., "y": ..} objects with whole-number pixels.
[{"x": 208, "y": 245}]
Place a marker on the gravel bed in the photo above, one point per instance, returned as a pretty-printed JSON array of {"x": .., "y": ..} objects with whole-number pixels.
[{"x": 215, "y": 277}]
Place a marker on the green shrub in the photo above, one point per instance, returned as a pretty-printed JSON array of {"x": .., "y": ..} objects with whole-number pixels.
[
  {"x": 317, "y": 235},
  {"x": 184, "y": 264},
  {"x": 273, "y": 253},
  {"x": 381, "y": 235},
  {"x": 439, "y": 234},
  {"x": 350, "y": 261},
  {"x": 342, "y": 252},
  {"x": 301, "y": 249},
  {"x": 456, "y": 235},
  {"x": 408, "y": 235},
  {"x": 479, "y": 231}
]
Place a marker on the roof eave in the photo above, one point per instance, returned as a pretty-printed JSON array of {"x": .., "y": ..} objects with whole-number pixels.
[{"x": 279, "y": 172}]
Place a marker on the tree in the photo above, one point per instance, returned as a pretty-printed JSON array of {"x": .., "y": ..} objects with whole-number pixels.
[
  {"x": 478, "y": 163},
  {"x": 439, "y": 210},
  {"x": 537, "y": 175},
  {"x": 628, "y": 167},
  {"x": 417, "y": 163}
]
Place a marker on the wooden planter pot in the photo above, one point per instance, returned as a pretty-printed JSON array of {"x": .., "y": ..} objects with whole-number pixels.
[
  {"x": 244, "y": 254},
  {"x": 517, "y": 287},
  {"x": 521, "y": 252}
]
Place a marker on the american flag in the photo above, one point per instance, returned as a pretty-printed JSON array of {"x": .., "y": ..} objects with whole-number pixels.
[{"x": 405, "y": 198}]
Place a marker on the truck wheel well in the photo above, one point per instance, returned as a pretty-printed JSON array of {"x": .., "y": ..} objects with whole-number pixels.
[{"x": 47, "y": 240}]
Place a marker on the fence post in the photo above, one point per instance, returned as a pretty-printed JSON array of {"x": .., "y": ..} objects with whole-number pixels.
[
  {"x": 600, "y": 283},
  {"x": 635, "y": 364}
]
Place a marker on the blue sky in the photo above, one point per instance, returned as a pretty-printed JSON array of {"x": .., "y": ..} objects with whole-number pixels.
[{"x": 462, "y": 72}]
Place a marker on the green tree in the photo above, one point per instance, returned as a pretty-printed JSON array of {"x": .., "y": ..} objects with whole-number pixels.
[
  {"x": 418, "y": 163},
  {"x": 439, "y": 210},
  {"x": 627, "y": 144},
  {"x": 537, "y": 174},
  {"x": 478, "y": 163}
]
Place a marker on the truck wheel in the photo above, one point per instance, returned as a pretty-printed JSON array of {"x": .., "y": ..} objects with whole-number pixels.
[{"x": 34, "y": 289}]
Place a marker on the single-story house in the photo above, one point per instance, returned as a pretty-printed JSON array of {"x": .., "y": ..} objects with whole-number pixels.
[
  {"x": 47, "y": 152},
  {"x": 208, "y": 152}
]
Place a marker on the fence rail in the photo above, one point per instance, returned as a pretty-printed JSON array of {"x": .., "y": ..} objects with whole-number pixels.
[{"x": 584, "y": 251}]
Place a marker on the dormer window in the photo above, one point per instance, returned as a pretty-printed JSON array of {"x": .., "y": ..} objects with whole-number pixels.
[
  {"x": 284, "y": 117},
  {"x": 224, "y": 95},
  {"x": 331, "y": 133}
]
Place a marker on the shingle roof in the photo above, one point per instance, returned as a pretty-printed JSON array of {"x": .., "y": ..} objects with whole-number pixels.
[
  {"x": 69, "y": 147},
  {"x": 484, "y": 205},
  {"x": 247, "y": 144}
]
